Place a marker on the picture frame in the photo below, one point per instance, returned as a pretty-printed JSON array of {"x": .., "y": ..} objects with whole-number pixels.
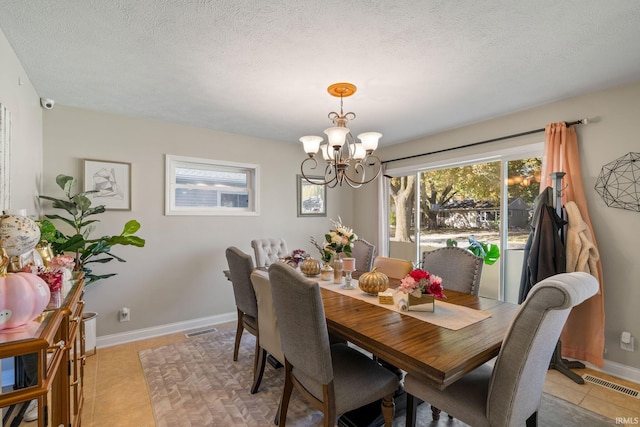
[
  {"x": 312, "y": 198},
  {"x": 111, "y": 181}
]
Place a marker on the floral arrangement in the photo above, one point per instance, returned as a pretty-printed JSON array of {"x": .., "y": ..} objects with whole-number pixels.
[
  {"x": 325, "y": 254},
  {"x": 339, "y": 238},
  {"x": 62, "y": 261},
  {"x": 53, "y": 278},
  {"x": 58, "y": 270},
  {"x": 420, "y": 281},
  {"x": 296, "y": 257}
]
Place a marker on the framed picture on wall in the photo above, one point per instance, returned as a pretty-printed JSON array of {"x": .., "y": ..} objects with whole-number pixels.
[
  {"x": 312, "y": 198},
  {"x": 111, "y": 182}
]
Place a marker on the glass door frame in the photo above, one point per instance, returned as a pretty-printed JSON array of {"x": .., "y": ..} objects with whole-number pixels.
[{"x": 503, "y": 156}]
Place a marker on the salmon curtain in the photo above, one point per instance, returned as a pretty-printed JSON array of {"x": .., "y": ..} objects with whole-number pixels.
[{"x": 583, "y": 335}]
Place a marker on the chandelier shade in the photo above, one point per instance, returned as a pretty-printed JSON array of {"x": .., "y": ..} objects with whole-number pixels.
[{"x": 346, "y": 159}]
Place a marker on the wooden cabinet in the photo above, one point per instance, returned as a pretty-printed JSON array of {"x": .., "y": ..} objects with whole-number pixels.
[{"x": 52, "y": 347}]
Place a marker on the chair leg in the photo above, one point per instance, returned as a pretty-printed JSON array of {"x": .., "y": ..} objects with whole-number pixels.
[
  {"x": 276, "y": 420},
  {"x": 412, "y": 411},
  {"x": 329, "y": 405},
  {"x": 258, "y": 369},
  {"x": 388, "y": 410},
  {"x": 239, "y": 330},
  {"x": 532, "y": 421},
  {"x": 286, "y": 395},
  {"x": 435, "y": 413}
]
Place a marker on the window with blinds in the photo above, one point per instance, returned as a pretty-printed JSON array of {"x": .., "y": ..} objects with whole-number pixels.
[{"x": 210, "y": 187}]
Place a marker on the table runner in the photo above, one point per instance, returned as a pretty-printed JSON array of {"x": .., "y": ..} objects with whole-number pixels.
[{"x": 449, "y": 316}]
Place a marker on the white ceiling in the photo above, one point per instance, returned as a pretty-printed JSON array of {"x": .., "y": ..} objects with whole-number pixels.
[{"x": 262, "y": 67}]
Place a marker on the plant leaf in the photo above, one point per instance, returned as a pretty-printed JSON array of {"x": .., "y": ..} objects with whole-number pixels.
[
  {"x": 82, "y": 201},
  {"x": 65, "y": 182},
  {"x": 74, "y": 243},
  {"x": 130, "y": 227}
]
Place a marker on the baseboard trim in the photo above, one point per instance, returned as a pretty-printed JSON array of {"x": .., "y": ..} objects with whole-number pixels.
[
  {"x": 618, "y": 370},
  {"x": 156, "y": 331}
]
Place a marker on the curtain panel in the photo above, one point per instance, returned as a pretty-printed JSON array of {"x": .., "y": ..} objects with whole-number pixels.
[{"x": 583, "y": 334}]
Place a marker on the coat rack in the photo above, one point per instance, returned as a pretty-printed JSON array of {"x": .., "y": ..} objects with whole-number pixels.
[{"x": 564, "y": 366}]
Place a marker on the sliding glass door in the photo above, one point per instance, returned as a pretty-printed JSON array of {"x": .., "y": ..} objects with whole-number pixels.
[{"x": 489, "y": 201}]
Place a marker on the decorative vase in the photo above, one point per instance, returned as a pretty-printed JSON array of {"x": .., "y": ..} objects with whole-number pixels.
[
  {"x": 327, "y": 272},
  {"x": 337, "y": 269},
  {"x": 45, "y": 252},
  {"x": 425, "y": 302},
  {"x": 310, "y": 267}
]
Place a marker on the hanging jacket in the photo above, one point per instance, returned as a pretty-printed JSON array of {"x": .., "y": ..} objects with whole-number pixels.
[
  {"x": 544, "y": 253},
  {"x": 582, "y": 254}
]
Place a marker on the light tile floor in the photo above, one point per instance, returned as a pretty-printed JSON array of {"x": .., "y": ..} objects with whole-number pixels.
[{"x": 116, "y": 394}]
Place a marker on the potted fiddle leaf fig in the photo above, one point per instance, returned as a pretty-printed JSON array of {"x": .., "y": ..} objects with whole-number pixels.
[
  {"x": 487, "y": 251},
  {"x": 80, "y": 216}
]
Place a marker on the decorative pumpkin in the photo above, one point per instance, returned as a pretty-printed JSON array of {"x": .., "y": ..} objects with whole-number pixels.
[
  {"x": 373, "y": 282},
  {"x": 23, "y": 296},
  {"x": 310, "y": 267}
]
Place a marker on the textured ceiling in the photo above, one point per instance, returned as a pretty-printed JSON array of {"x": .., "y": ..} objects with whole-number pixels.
[{"x": 262, "y": 67}]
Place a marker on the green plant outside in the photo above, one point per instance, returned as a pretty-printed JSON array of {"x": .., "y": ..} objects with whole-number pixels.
[{"x": 86, "y": 250}]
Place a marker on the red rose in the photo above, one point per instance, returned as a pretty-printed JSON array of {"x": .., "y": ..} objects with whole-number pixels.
[{"x": 419, "y": 274}]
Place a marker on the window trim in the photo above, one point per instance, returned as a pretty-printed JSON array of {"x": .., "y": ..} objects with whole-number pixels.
[{"x": 173, "y": 161}]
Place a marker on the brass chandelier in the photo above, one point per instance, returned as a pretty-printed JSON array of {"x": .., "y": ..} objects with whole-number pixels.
[{"x": 346, "y": 159}]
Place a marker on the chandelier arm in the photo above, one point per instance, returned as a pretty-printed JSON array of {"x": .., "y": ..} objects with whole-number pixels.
[
  {"x": 353, "y": 184},
  {"x": 329, "y": 171},
  {"x": 377, "y": 168},
  {"x": 313, "y": 181},
  {"x": 331, "y": 183}
]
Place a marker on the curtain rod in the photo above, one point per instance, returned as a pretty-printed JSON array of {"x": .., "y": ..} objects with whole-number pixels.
[{"x": 515, "y": 135}]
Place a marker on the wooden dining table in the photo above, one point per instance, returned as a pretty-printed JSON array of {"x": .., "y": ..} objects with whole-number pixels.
[{"x": 437, "y": 355}]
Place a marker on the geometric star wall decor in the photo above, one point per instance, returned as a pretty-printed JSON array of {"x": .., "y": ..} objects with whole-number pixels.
[{"x": 619, "y": 182}]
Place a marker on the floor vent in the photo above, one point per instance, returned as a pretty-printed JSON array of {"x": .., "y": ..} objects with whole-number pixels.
[
  {"x": 613, "y": 386},
  {"x": 202, "y": 332}
]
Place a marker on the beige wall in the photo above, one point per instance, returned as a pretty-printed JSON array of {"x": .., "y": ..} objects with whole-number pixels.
[
  {"x": 20, "y": 98},
  {"x": 177, "y": 276},
  {"x": 611, "y": 133}
]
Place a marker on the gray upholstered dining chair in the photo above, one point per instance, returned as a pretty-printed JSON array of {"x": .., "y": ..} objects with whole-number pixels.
[
  {"x": 363, "y": 252},
  {"x": 240, "y": 268},
  {"x": 268, "y": 251},
  {"x": 333, "y": 378},
  {"x": 460, "y": 269},
  {"x": 268, "y": 329},
  {"x": 509, "y": 393}
]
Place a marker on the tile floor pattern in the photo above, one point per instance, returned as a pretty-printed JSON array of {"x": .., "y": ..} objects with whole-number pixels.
[{"x": 116, "y": 393}]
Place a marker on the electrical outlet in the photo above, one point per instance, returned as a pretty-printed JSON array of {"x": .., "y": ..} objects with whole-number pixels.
[
  {"x": 124, "y": 314},
  {"x": 626, "y": 341},
  {"x": 627, "y": 346}
]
